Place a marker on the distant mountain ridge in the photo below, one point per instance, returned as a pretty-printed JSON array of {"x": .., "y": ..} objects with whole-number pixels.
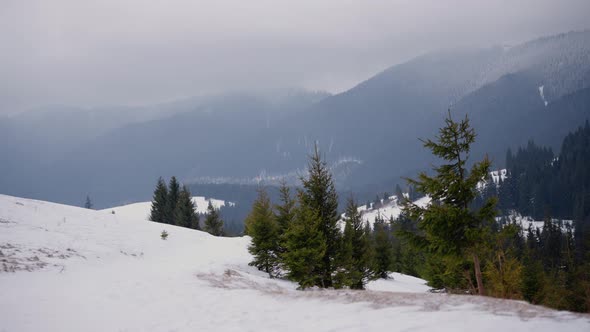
[{"x": 377, "y": 123}]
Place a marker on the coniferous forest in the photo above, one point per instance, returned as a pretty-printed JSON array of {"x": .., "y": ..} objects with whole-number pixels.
[
  {"x": 466, "y": 241},
  {"x": 469, "y": 239}
]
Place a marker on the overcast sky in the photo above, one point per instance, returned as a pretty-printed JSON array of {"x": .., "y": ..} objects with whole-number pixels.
[{"x": 92, "y": 53}]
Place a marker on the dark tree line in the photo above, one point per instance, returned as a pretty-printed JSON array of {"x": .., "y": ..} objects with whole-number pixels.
[
  {"x": 173, "y": 205},
  {"x": 461, "y": 242},
  {"x": 539, "y": 184}
]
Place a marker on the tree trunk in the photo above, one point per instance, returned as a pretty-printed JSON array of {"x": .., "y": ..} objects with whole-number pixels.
[{"x": 480, "y": 289}]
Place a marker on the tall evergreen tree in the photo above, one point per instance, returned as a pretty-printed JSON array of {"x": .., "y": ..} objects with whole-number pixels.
[
  {"x": 185, "y": 214},
  {"x": 448, "y": 226},
  {"x": 320, "y": 195},
  {"x": 213, "y": 222},
  {"x": 305, "y": 246},
  {"x": 159, "y": 202},
  {"x": 262, "y": 227},
  {"x": 172, "y": 200}
]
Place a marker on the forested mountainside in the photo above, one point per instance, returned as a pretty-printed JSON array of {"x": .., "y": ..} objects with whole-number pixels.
[{"x": 537, "y": 90}]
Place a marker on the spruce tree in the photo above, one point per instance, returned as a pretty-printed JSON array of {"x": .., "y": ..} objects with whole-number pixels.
[
  {"x": 159, "y": 202},
  {"x": 447, "y": 225},
  {"x": 172, "y": 200},
  {"x": 345, "y": 270},
  {"x": 185, "y": 214},
  {"x": 262, "y": 227},
  {"x": 213, "y": 222},
  {"x": 383, "y": 248},
  {"x": 305, "y": 246},
  {"x": 532, "y": 278},
  {"x": 411, "y": 258},
  {"x": 285, "y": 213},
  {"x": 356, "y": 258},
  {"x": 320, "y": 196}
]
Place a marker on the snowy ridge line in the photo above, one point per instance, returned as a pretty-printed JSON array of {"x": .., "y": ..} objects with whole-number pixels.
[{"x": 525, "y": 221}]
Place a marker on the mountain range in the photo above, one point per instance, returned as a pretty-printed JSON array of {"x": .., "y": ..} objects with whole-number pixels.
[{"x": 537, "y": 90}]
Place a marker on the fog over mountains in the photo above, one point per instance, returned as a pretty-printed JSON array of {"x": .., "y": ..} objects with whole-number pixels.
[{"x": 536, "y": 90}]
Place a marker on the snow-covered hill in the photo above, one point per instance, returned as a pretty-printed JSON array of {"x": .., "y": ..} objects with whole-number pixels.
[
  {"x": 142, "y": 209},
  {"x": 70, "y": 269}
]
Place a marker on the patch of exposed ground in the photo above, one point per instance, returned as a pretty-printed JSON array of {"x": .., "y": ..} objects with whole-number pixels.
[{"x": 15, "y": 258}]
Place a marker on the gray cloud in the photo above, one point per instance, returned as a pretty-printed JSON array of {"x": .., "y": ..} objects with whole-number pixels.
[{"x": 134, "y": 51}]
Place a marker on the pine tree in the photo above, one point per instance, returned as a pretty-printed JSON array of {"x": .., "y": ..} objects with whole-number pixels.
[
  {"x": 159, "y": 202},
  {"x": 213, "y": 222},
  {"x": 320, "y": 196},
  {"x": 448, "y": 226},
  {"x": 172, "y": 200},
  {"x": 305, "y": 246},
  {"x": 262, "y": 227},
  {"x": 88, "y": 203},
  {"x": 185, "y": 214}
]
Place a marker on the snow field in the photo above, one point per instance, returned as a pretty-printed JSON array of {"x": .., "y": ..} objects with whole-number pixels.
[{"x": 71, "y": 269}]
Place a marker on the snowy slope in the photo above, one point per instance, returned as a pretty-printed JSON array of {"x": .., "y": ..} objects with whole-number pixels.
[
  {"x": 142, "y": 209},
  {"x": 70, "y": 269},
  {"x": 526, "y": 221},
  {"x": 392, "y": 209}
]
